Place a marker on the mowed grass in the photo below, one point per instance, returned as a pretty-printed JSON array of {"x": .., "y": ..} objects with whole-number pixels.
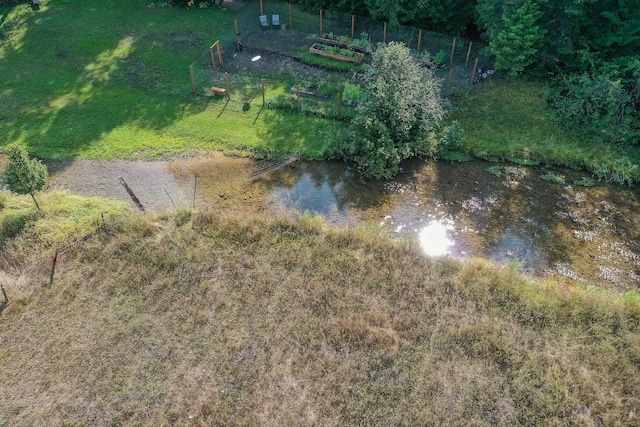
[
  {"x": 202, "y": 318},
  {"x": 111, "y": 80},
  {"x": 508, "y": 119}
]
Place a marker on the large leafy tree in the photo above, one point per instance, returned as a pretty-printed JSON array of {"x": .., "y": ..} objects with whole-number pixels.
[
  {"x": 399, "y": 110},
  {"x": 23, "y": 175}
]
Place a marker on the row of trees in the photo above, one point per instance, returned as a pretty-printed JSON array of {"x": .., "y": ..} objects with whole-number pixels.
[
  {"x": 557, "y": 34},
  {"x": 590, "y": 48}
]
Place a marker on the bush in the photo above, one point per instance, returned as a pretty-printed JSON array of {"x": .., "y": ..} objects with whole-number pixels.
[
  {"x": 351, "y": 92},
  {"x": 399, "y": 110},
  {"x": 596, "y": 105},
  {"x": 452, "y": 136},
  {"x": 440, "y": 57}
]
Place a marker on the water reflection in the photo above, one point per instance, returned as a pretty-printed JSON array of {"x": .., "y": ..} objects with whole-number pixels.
[
  {"x": 434, "y": 239},
  {"x": 311, "y": 195},
  {"x": 590, "y": 235}
]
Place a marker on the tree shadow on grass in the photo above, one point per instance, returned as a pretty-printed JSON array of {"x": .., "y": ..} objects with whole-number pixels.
[{"x": 85, "y": 80}]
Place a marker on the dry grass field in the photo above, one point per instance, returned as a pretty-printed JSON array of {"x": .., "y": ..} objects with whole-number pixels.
[{"x": 201, "y": 318}]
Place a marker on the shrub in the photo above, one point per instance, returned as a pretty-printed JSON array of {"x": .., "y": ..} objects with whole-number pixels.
[
  {"x": 552, "y": 177},
  {"x": 351, "y": 92},
  {"x": 440, "y": 57},
  {"x": 452, "y": 136},
  {"x": 584, "y": 182},
  {"x": 399, "y": 110},
  {"x": 596, "y": 105}
]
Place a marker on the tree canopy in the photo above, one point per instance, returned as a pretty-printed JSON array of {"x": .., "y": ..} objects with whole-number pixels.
[
  {"x": 400, "y": 107},
  {"x": 559, "y": 34}
]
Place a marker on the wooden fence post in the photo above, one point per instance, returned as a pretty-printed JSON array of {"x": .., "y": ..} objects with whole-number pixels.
[
  {"x": 320, "y": 22},
  {"x": 263, "y": 95},
  {"x": 340, "y": 104},
  {"x": 228, "y": 86},
  {"x": 384, "y": 37},
  {"x": 468, "y": 54},
  {"x": 473, "y": 73},
  {"x": 298, "y": 95},
  {"x": 290, "y": 16},
  {"x": 193, "y": 80},
  {"x": 449, "y": 82},
  {"x": 53, "y": 267},
  {"x": 220, "y": 54},
  {"x": 213, "y": 58},
  {"x": 131, "y": 194},
  {"x": 353, "y": 26},
  {"x": 453, "y": 49},
  {"x": 4, "y": 293},
  {"x": 235, "y": 23},
  {"x": 419, "y": 39},
  {"x": 261, "y": 8}
]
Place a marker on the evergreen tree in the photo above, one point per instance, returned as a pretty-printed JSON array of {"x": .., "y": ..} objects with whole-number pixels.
[
  {"x": 22, "y": 175},
  {"x": 517, "y": 44}
]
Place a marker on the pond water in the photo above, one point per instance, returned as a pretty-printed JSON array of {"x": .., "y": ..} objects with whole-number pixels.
[{"x": 589, "y": 235}]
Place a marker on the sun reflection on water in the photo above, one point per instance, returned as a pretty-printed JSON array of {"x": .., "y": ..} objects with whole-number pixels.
[{"x": 434, "y": 239}]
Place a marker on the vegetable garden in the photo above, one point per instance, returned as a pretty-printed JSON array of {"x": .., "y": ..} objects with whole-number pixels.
[{"x": 311, "y": 63}]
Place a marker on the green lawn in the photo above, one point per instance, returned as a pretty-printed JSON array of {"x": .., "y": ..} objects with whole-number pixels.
[
  {"x": 508, "y": 119},
  {"x": 112, "y": 81}
]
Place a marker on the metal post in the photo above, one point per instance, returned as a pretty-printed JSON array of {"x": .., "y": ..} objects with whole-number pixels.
[
  {"x": 261, "y": 8},
  {"x": 195, "y": 188},
  {"x": 263, "y": 95}
]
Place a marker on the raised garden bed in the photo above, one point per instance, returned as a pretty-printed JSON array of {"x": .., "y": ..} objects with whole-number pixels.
[
  {"x": 332, "y": 42},
  {"x": 344, "y": 55}
]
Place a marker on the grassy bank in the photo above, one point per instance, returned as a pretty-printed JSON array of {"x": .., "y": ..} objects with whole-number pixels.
[
  {"x": 112, "y": 81},
  {"x": 189, "y": 318},
  {"x": 507, "y": 119}
]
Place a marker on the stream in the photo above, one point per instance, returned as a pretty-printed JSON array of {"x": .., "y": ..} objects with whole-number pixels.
[{"x": 589, "y": 235}]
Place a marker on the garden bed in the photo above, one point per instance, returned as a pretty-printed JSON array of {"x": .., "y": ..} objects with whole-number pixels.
[
  {"x": 344, "y": 55},
  {"x": 332, "y": 42}
]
